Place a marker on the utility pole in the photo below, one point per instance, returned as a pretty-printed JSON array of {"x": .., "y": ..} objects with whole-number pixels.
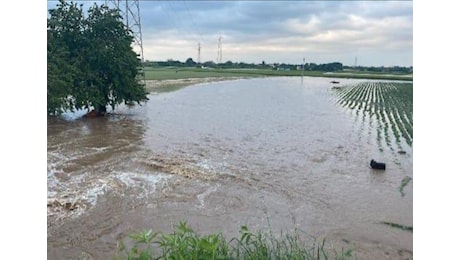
[
  {"x": 219, "y": 50},
  {"x": 303, "y": 69},
  {"x": 199, "y": 54},
  {"x": 303, "y": 66},
  {"x": 356, "y": 61}
]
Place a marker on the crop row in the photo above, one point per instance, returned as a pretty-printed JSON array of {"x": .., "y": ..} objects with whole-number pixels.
[{"x": 390, "y": 104}]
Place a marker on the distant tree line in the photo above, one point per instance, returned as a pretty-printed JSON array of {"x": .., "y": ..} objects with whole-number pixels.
[
  {"x": 334, "y": 66},
  {"x": 382, "y": 69},
  {"x": 326, "y": 67}
]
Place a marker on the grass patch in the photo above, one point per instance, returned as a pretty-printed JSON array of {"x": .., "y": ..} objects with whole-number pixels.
[
  {"x": 185, "y": 243},
  {"x": 192, "y": 72},
  {"x": 189, "y": 73}
]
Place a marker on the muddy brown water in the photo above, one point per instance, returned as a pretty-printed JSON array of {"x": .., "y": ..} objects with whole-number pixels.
[{"x": 271, "y": 153}]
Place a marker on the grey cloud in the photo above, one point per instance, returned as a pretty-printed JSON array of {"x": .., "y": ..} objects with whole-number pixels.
[{"x": 260, "y": 28}]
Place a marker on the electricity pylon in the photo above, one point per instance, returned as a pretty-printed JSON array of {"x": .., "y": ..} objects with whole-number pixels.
[{"x": 129, "y": 10}]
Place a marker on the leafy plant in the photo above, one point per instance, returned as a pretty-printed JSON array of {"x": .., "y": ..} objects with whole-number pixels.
[{"x": 185, "y": 243}]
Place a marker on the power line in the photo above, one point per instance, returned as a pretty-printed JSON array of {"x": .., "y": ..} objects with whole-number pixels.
[
  {"x": 192, "y": 19},
  {"x": 196, "y": 28}
]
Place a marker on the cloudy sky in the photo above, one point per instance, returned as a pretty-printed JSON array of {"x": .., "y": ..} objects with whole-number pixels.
[{"x": 372, "y": 33}]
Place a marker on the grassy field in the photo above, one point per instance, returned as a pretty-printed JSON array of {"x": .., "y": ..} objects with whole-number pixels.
[
  {"x": 187, "y": 73},
  {"x": 166, "y": 73}
]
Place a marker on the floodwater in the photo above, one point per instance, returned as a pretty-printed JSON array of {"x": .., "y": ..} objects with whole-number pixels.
[{"x": 271, "y": 153}]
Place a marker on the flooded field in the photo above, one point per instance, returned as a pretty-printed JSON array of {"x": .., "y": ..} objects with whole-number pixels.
[{"x": 270, "y": 153}]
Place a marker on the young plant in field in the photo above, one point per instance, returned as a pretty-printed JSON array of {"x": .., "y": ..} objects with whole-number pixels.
[
  {"x": 404, "y": 183},
  {"x": 399, "y": 226},
  {"x": 391, "y": 103}
]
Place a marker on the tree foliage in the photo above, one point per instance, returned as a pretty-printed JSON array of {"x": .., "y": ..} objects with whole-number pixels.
[{"x": 90, "y": 61}]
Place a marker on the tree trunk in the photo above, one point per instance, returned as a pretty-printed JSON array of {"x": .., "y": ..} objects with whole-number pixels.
[{"x": 101, "y": 110}]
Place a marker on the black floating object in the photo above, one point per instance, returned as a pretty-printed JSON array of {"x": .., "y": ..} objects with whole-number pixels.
[
  {"x": 335, "y": 82},
  {"x": 377, "y": 165}
]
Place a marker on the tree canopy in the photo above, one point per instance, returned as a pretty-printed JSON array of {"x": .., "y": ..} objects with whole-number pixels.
[{"x": 90, "y": 60}]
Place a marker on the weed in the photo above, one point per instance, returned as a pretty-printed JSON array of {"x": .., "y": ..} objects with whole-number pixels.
[{"x": 185, "y": 243}]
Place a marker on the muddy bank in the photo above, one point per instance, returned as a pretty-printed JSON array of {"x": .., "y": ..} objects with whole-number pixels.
[{"x": 166, "y": 84}]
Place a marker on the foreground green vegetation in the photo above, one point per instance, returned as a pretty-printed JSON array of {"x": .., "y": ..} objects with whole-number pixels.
[{"x": 185, "y": 243}]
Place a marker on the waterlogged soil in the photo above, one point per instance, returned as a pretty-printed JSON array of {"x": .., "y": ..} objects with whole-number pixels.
[
  {"x": 275, "y": 154},
  {"x": 168, "y": 85}
]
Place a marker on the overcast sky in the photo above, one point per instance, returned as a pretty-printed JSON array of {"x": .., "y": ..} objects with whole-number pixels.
[{"x": 374, "y": 33}]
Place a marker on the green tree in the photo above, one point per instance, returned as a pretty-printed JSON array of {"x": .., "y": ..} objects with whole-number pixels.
[
  {"x": 190, "y": 63},
  {"x": 91, "y": 63}
]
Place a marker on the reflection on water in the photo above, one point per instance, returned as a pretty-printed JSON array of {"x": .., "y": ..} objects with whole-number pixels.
[{"x": 272, "y": 153}]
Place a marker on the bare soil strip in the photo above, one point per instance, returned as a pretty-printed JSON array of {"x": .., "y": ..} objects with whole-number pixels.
[{"x": 155, "y": 85}]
